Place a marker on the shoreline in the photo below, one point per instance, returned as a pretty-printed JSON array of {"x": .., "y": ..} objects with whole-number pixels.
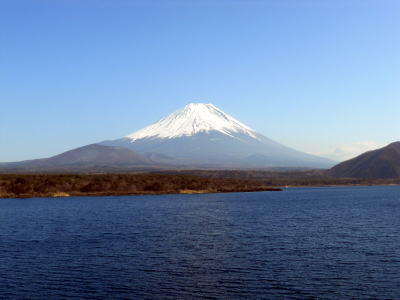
[
  {"x": 195, "y": 182},
  {"x": 183, "y": 192},
  {"x": 107, "y": 194},
  {"x": 65, "y": 185}
]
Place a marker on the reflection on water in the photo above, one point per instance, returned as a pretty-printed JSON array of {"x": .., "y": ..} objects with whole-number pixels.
[{"x": 327, "y": 242}]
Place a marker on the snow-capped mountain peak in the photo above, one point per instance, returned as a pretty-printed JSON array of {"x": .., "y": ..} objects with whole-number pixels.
[{"x": 190, "y": 120}]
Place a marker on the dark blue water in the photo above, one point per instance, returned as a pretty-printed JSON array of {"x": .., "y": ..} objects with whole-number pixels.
[{"x": 301, "y": 243}]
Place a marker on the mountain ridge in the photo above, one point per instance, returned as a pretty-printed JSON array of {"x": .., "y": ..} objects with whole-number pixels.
[
  {"x": 83, "y": 158},
  {"x": 383, "y": 163},
  {"x": 203, "y": 134},
  {"x": 197, "y": 136}
]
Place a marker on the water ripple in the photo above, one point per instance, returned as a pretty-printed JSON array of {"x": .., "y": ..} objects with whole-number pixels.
[{"x": 329, "y": 243}]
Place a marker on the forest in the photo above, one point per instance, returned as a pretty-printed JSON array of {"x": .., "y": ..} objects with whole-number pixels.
[{"x": 58, "y": 185}]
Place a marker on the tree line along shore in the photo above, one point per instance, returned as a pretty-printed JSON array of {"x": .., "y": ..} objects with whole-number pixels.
[
  {"x": 63, "y": 185},
  {"x": 169, "y": 182},
  {"x": 285, "y": 177}
]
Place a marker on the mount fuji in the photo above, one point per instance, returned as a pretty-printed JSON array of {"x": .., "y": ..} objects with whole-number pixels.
[{"x": 202, "y": 135}]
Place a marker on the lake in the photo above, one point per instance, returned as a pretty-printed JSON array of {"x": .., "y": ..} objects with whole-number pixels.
[{"x": 336, "y": 243}]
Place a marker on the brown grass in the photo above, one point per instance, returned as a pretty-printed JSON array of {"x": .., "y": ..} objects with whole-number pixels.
[
  {"x": 195, "y": 191},
  {"x": 60, "y": 194}
]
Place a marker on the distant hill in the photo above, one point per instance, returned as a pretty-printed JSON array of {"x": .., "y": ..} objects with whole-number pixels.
[
  {"x": 90, "y": 157},
  {"x": 383, "y": 163}
]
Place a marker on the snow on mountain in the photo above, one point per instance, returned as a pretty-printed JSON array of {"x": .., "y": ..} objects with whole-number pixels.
[
  {"x": 192, "y": 119},
  {"x": 196, "y": 136},
  {"x": 201, "y": 135}
]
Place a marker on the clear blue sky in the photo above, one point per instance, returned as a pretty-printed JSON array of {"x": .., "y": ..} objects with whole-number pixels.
[{"x": 310, "y": 74}]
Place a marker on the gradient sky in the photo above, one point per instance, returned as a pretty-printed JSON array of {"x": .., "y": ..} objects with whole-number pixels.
[{"x": 320, "y": 76}]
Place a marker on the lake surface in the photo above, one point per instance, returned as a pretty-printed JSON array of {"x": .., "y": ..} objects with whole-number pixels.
[{"x": 301, "y": 243}]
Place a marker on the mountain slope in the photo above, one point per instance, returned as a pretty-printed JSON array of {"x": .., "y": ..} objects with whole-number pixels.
[
  {"x": 87, "y": 157},
  {"x": 383, "y": 163},
  {"x": 192, "y": 119},
  {"x": 201, "y": 135},
  {"x": 197, "y": 136}
]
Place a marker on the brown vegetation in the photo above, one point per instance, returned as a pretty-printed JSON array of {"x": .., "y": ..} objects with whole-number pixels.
[
  {"x": 286, "y": 177},
  {"x": 50, "y": 185},
  {"x": 171, "y": 182}
]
